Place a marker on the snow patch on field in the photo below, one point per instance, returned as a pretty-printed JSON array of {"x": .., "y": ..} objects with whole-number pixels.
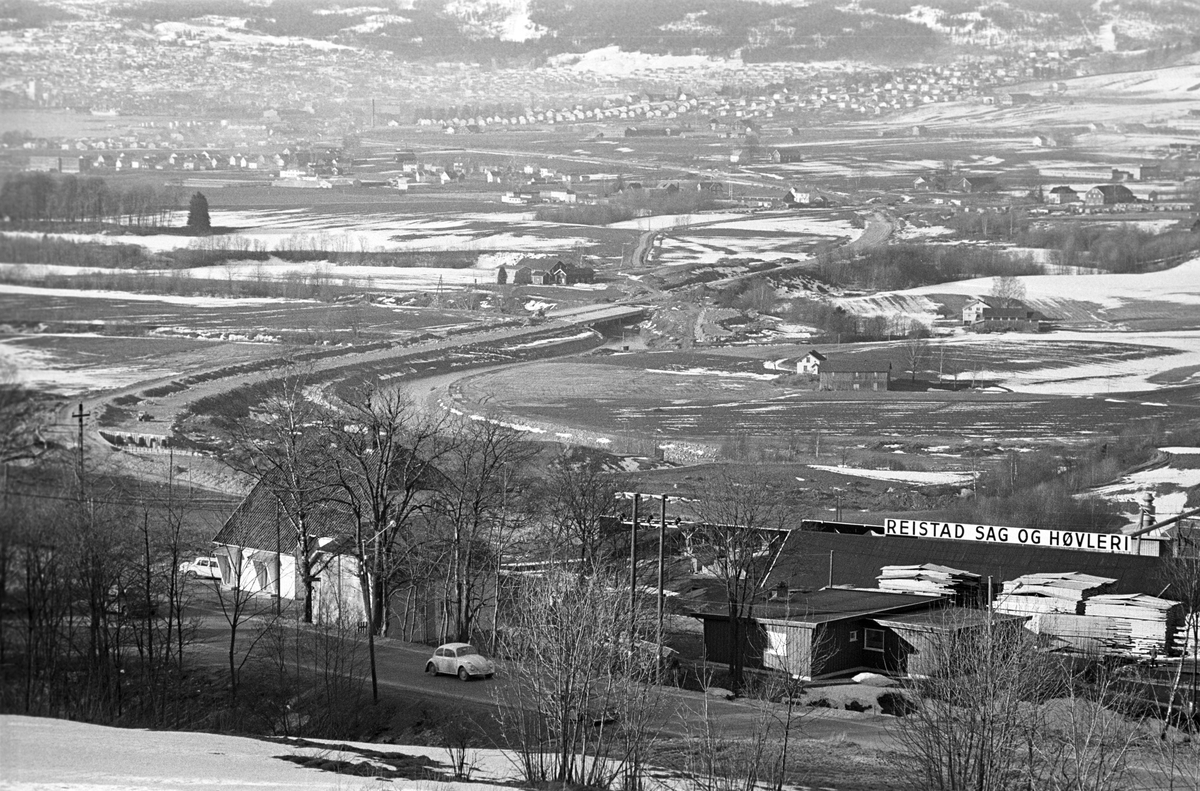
[
  {"x": 1170, "y": 486},
  {"x": 199, "y": 302},
  {"x": 1180, "y": 285},
  {"x": 918, "y": 477},
  {"x": 792, "y": 224},
  {"x": 662, "y": 221},
  {"x": 1173, "y": 351},
  {"x": 46, "y": 753},
  {"x": 553, "y": 341},
  {"x": 43, "y": 370},
  {"x": 713, "y": 372}
]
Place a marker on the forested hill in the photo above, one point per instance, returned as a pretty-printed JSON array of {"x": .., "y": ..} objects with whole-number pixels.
[{"x": 759, "y": 30}]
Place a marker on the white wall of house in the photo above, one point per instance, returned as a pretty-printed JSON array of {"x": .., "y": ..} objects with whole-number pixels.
[
  {"x": 258, "y": 571},
  {"x": 337, "y": 596}
]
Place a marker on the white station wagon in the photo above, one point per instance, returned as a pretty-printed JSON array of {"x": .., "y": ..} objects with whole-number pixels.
[{"x": 459, "y": 659}]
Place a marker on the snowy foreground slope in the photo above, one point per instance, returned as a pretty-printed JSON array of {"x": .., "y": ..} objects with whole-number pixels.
[{"x": 43, "y": 754}]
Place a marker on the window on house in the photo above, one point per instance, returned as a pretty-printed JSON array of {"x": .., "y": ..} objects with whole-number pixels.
[
  {"x": 873, "y": 639},
  {"x": 854, "y": 635}
]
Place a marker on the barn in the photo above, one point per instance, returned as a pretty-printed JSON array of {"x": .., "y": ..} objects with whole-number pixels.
[{"x": 849, "y": 374}]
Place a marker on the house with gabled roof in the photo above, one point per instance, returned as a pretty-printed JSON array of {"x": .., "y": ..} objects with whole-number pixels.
[
  {"x": 810, "y": 363},
  {"x": 565, "y": 273},
  {"x": 986, "y": 313},
  {"x": 258, "y": 549},
  {"x": 1108, "y": 195},
  {"x": 1061, "y": 195}
]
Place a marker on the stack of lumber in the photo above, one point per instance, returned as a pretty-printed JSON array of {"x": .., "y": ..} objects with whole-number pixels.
[
  {"x": 930, "y": 578},
  {"x": 1136, "y": 624},
  {"x": 1054, "y": 592},
  {"x": 1078, "y": 633}
]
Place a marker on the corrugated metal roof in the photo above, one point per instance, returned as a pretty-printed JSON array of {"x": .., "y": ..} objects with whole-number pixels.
[
  {"x": 840, "y": 604},
  {"x": 948, "y": 619},
  {"x": 858, "y": 559}
]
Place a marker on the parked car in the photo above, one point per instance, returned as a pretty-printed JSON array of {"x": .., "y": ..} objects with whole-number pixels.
[
  {"x": 201, "y": 567},
  {"x": 459, "y": 659}
]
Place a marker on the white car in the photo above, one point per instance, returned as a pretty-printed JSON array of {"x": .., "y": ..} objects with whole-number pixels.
[
  {"x": 459, "y": 659},
  {"x": 206, "y": 567}
]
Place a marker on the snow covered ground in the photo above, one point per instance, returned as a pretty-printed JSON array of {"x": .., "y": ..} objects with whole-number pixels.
[
  {"x": 44, "y": 754},
  {"x": 1169, "y": 484},
  {"x": 380, "y": 232},
  {"x": 43, "y": 369},
  {"x": 130, "y": 296},
  {"x": 1178, "y": 350},
  {"x": 1180, "y": 285},
  {"x": 918, "y": 477}
]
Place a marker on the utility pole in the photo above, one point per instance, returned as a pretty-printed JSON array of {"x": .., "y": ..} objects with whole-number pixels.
[
  {"x": 660, "y": 608},
  {"x": 80, "y": 415},
  {"x": 633, "y": 573},
  {"x": 662, "y": 540}
]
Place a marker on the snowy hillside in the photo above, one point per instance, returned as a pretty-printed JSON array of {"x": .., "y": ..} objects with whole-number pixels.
[{"x": 42, "y": 754}]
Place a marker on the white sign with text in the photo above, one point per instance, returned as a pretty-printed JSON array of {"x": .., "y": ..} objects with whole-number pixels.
[{"x": 1022, "y": 536}]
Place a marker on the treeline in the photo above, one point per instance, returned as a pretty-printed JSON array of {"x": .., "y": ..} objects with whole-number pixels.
[
  {"x": 908, "y": 266},
  {"x": 43, "y": 198},
  {"x": 629, "y": 205},
  {"x": 1042, "y": 488},
  {"x": 1122, "y": 248},
  {"x": 318, "y": 284},
  {"x": 67, "y": 252},
  {"x": 207, "y": 252}
]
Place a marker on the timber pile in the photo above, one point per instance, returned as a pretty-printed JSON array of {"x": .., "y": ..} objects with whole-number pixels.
[
  {"x": 1078, "y": 633},
  {"x": 1135, "y": 623},
  {"x": 1055, "y": 592},
  {"x": 963, "y": 586}
]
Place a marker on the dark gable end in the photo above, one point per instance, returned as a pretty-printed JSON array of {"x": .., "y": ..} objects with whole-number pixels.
[{"x": 264, "y": 520}]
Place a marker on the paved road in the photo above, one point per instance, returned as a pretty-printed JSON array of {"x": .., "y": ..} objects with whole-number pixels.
[{"x": 400, "y": 667}]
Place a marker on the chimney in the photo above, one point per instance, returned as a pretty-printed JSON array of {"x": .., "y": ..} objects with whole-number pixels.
[{"x": 1146, "y": 517}]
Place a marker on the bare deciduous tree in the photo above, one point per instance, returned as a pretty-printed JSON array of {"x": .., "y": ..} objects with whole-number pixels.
[
  {"x": 384, "y": 457},
  {"x": 1008, "y": 291},
  {"x": 741, "y": 524},
  {"x": 283, "y": 449},
  {"x": 995, "y": 712},
  {"x": 1181, "y": 573},
  {"x": 580, "y": 708},
  {"x": 579, "y": 493},
  {"x": 916, "y": 351},
  {"x": 483, "y": 460}
]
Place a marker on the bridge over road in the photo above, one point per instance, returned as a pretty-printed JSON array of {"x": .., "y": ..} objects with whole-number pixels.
[{"x": 597, "y": 314}]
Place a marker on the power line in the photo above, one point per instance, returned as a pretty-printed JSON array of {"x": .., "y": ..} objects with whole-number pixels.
[{"x": 204, "y": 504}]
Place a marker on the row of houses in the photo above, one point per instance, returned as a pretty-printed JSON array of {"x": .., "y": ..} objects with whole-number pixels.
[
  {"x": 545, "y": 272},
  {"x": 288, "y": 162}
]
